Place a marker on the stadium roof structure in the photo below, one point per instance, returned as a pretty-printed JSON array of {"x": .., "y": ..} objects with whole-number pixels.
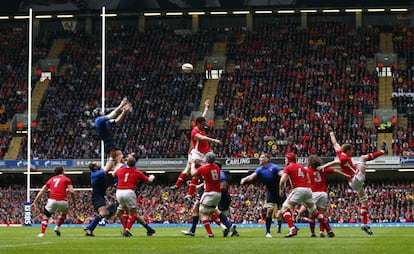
[{"x": 11, "y": 7}]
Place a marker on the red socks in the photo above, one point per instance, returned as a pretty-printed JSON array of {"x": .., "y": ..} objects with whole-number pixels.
[
  {"x": 180, "y": 179},
  {"x": 44, "y": 225},
  {"x": 193, "y": 185},
  {"x": 288, "y": 218},
  {"x": 374, "y": 155},
  {"x": 364, "y": 215},
  {"x": 207, "y": 226},
  {"x": 131, "y": 221}
]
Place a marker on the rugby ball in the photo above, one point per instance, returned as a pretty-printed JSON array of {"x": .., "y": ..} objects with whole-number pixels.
[{"x": 187, "y": 67}]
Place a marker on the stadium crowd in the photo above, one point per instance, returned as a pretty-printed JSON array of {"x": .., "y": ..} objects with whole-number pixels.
[
  {"x": 287, "y": 87},
  {"x": 280, "y": 96},
  {"x": 290, "y": 97},
  {"x": 390, "y": 201}
]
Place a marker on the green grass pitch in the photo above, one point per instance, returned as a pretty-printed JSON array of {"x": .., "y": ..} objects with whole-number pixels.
[{"x": 24, "y": 240}]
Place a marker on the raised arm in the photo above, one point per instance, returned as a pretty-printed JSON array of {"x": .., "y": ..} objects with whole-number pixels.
[
  {"x": 125, "y": 109},
  {"x": 206, "y": 106},
  {"x": 114, "y": 113},
  {"x": 335, "y": 143},
  {"x": 248, "y": 178},
  {"x": 198, "y": 136},
  {"x": 33, "y": 206},
  {"x": 151, "y": 178},
  {"x": 333, "y": 163},
  {"x": 339, "y": 172}
]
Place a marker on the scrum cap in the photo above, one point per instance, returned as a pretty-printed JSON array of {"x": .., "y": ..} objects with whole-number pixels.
[
  {"x": 96, "y": 112},
  {"x": 210, "y": 157},
  {"x": 291, "y": 157}
]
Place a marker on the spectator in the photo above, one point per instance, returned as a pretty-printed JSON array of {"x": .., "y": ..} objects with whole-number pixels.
[{"x": 209, "y": 69}]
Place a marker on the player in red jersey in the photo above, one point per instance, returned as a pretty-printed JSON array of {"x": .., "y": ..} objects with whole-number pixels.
[
  {"x": 356, "y": 173},
  {"x": 319, "y": 191},
  {"x": 212, "y": 192},
  {"x": 58, "y": 186},
  {"x": 187, "y": 170},
  {"x": 200, "y": 146},
  {"x": 128, "y": 178},
  {"x": 300, "y": 193}
]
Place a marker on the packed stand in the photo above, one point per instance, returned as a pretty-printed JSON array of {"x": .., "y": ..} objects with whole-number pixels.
[
  {"x": 289, "y": 85},
  {"x": 13, "y": 88},
  {"x": 13, "y": 72},
  {"x": 144, "y": 66},
  {"x": 13, "y": 63},
  {"x": 403, "y": 90},
  {"x": 5, "y": 138},
  {"x": 281, "y": 97}
]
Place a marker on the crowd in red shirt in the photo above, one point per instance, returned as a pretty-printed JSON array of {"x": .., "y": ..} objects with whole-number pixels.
[{"x": 281, "y": 96}]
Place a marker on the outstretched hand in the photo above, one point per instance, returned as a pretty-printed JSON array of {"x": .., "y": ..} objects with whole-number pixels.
[
  {"x": 127, "y": 107},
  {"x": 124, "y": 101},
  {"x": 242, "y": 181}
]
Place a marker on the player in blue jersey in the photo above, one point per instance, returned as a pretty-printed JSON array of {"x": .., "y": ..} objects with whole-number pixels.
[
  {"x": 103, "y": 125},
  {"x": 269, "y": 174},
  {"x": 98, "y": 181},
  {"x": 224, "y": 204}
]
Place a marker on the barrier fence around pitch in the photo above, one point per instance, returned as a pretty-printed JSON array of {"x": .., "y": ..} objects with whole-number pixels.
[{"x": 252, "y": 225}]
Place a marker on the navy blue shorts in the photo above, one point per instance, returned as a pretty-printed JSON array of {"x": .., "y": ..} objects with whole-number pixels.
[
  {"x": 225, "y": 201},
  {"x": 273, "y": 197},
  {"x": 98, "y": 201}
]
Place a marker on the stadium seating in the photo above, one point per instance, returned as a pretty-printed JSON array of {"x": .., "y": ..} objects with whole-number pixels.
[{"x": 282, "y": 96}]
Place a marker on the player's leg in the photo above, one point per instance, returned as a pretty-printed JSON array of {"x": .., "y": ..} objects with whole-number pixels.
[
  {"x": 311, "y": 220},
  {"x": 222, "y": 211},
  {"x": 315, "y": 214},
  {"x": 102, "y": 212},
  {"x": 141, "y": 220},
  {"x": 132, "y": 217},
  {"x": 287, "y": 207},
  {"x": 183, "y": 175},
  {"x": 372, "y": 156},
  {"x": 44, "y": 223},
  {"x": 198, "y": 159},
  {"x": 193, "y": 183},
  {"x": 271, "y": 200},
  {"x": 269, "y": 213},
  {"x": 122, "y": 210},
  {"x": 62, "y": 206},
  {"x": 279, "y": 218},
  {"x": 215, "y": 218},
  {"x": 111, "y": 210},
  {"x": 278, "y": 212},
  {"x": 205, "y": 214},
  {"x": 194, "y": 220},
  {"x": 363, "y": 198}
]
